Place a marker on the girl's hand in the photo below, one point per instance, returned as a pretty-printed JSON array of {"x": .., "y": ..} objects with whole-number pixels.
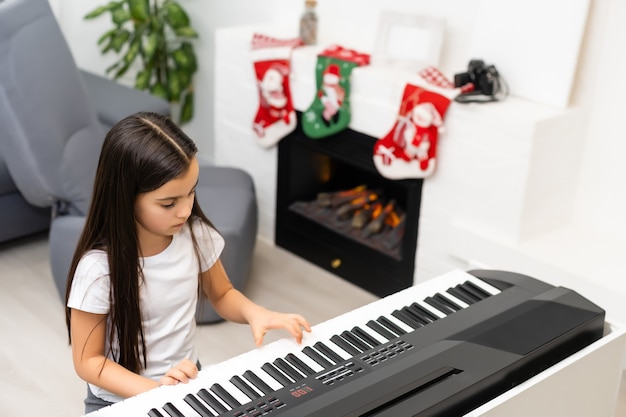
[
  {"x": 264, "y": 320},
  {"x": 181, "y": 372}
]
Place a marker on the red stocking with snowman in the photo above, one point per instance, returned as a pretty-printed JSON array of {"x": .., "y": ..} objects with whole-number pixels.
[{"x": 409, "y": 150}]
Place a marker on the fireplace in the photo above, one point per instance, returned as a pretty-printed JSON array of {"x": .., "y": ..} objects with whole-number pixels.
[{"x": 308, "y": 167}]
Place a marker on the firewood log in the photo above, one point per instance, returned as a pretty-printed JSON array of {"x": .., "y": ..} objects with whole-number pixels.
[
  {"x": 377, "y": 223},
  {"x": 339, "y": 197}
]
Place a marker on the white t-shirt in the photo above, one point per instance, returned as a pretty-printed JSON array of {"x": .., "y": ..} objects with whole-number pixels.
[{"x": 168, "y": 298}]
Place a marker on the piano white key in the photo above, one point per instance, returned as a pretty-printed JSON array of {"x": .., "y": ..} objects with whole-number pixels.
[
  {"x": 432, "y": 309},
  {"x": 308, "y": 361},
  {"x": 398, "y": 323},
  {"x": 375, "y": 335},
  {"x": 451, "y": 297},
  {"x": 485, "y": 286},
  {"x": 234, "y": 391}
]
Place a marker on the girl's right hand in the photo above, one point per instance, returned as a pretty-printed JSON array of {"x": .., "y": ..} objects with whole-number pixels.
[{"x": 181, "y": 372}]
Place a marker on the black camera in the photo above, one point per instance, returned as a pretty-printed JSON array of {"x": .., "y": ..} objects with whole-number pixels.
[{"x": 484, "y": 77}]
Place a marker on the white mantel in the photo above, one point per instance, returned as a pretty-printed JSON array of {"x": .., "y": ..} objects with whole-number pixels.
[{"x": 503, "y": 191}]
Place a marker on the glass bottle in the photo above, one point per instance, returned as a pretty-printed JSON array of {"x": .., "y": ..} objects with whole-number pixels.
[{"x": 308, "y": 23}]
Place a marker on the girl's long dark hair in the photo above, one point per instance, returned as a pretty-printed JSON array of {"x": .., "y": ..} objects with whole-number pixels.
[{"x": 140, "y": 154}]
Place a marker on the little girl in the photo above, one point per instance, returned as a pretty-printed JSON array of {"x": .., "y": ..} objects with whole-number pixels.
[{"x": 145, "y": 254}]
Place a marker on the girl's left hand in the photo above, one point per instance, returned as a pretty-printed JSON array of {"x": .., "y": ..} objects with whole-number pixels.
[{"x": 264, "y": 320}]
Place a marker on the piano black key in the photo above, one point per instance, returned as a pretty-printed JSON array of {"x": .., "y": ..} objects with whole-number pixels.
[
  {"x": 445, "y": 300},
  {"x": 469, "y": 293},
  {"x": 212, "y": 401},
  {"x": 406, "y": 319},
  {"x": 312, "y": 353},
  {"x": 358, "y": 343},
  {"x": 288, "y": 369},
  {"x": 423, "y": 312},
  {"x": 258, "y": 382},
  {"x": 342, "y": 343},
  {"x": 365, "y": 336},
  {"x": 224, "y": 395},
  {"x": 155, "y": 413},
  {"x": 461, "y": 295},
  {"x": 299, "y": 365},
  {"x": 244, "y": 387},
  {"x": 381, "y": 330},
  {"x": 195, "y": 403},
  {"x": 172, "y": 411},
  {"x": 276, "y": 374},
  {"x": 330, "y": 354},
  {"x": 390, "y": 325},
  {"x": 475, "y": 289},
  {"x": 438, "y": 305},
  {"x": 415, "y": 316}
]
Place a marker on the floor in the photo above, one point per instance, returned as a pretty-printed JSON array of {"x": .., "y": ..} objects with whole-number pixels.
[{"x": 37, "y": 377}]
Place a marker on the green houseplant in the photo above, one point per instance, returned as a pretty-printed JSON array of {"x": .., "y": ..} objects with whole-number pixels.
[{"x": 156, "y": 37}]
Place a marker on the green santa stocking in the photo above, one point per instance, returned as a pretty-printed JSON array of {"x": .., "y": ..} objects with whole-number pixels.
[{"x": 330, "y": 111}]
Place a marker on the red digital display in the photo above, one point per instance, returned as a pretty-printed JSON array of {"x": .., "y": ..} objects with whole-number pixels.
[{"x": 301, "y": 391}]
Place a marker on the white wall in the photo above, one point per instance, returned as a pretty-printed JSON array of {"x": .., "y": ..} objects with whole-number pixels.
[{"x": 600, "y": 203}]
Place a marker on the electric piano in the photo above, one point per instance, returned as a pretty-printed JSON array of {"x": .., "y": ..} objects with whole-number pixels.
[{"x": 440, "y": 348}]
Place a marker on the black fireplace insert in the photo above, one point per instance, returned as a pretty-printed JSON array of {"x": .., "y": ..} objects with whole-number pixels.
[{"x": 308, "y": 168}]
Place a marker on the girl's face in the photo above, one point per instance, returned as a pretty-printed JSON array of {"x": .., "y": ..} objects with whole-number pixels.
[{"x": 161, "y": 213}]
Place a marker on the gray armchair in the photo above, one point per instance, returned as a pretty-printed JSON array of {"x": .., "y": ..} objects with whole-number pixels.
[{"x": 53, "y": 120}]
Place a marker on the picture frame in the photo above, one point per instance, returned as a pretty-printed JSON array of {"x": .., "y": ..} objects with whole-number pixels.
[{"x": 409, "y": 42}]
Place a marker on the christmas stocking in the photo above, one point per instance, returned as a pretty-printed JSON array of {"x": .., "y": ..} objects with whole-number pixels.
[
  {"x": 409, "y": 150},
  {"x": 275, "y": 117},
  {"x": 330, "y": 111}
]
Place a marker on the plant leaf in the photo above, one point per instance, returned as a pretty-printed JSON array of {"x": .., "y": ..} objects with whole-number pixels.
[
  {"x": 191, "y": 56},
  {"x": 108, "y": 35},
  {"x": 121, "y": 37},
  {"x": 173, "y": 85},
  {"x": 142, "y": 80},
  {"x": 119, "y": 16},
  {"x": 121, "y": 71},
  {"x": 132, "y": 52},
  {"x": 150, "y": 46},
  {"x": 159, "y": 90},
  {"x": 186, "y": 112},
  {"x": 181, "y": 58},
  {"x": 112, "y": 67},
  {"x": 139, "y": 10},
  {"x": 99, "y": 10},
  {"x": 96, "y": 12},
  {"x": 186, "y": 32},
  {"x": 175, "y": 15},
  {"x": 184, "y": 78}
]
